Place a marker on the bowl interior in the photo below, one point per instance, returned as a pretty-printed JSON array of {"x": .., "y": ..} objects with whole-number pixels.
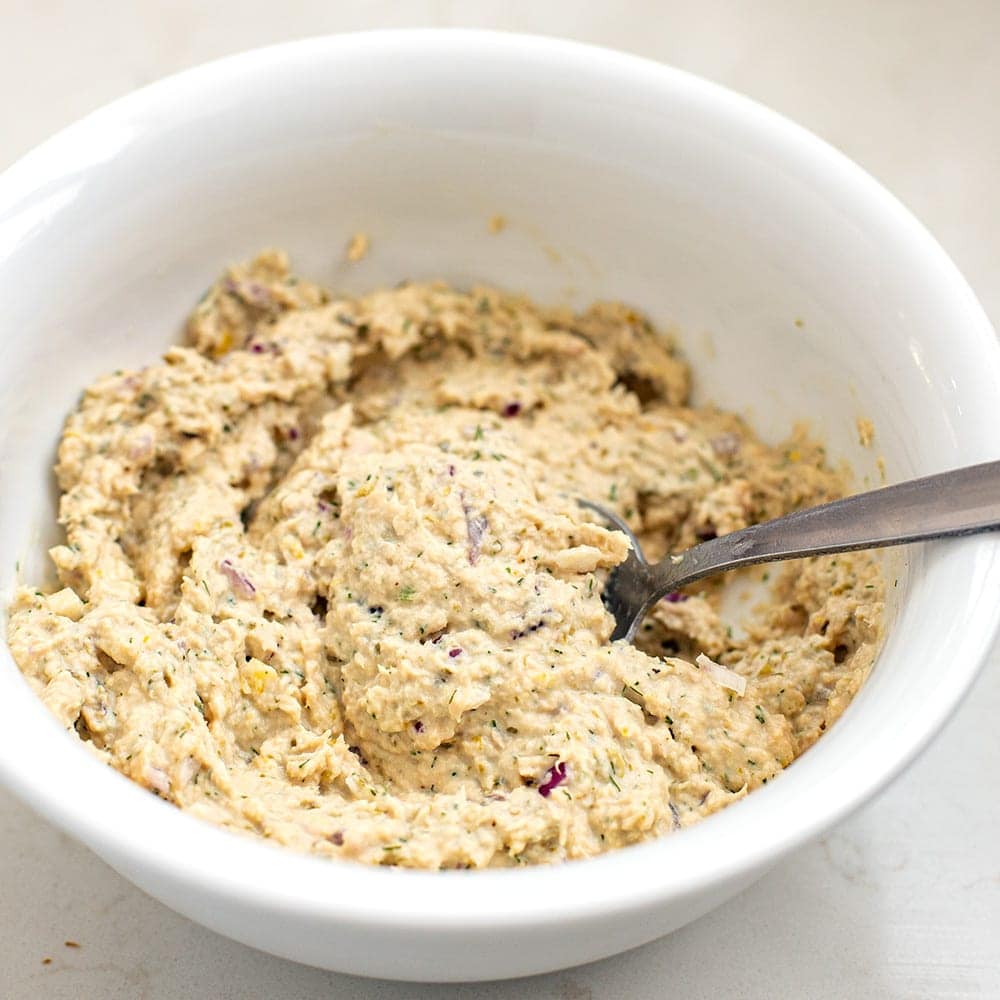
[{"x": 796, "y": 287}]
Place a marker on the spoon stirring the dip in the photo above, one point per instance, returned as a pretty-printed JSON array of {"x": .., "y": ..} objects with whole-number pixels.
[{"x": 960, "y": 502}]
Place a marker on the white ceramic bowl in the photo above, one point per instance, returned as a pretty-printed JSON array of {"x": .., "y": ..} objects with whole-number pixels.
[{"x": 798, "y": 287}]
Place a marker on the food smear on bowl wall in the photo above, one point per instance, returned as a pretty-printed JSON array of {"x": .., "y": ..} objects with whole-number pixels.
[
  {"x": 358, "y": 247},
  {"x": 325, "y": 579}
]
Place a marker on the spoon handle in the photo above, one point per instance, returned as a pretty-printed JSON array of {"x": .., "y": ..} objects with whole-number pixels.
[{"x": 960, "y": 502}]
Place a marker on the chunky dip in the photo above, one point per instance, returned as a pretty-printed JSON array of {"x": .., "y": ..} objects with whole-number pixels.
[{"x": 325, "y": 579}]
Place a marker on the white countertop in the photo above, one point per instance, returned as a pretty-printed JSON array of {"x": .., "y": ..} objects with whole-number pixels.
[{"x": 903, "y": 900}]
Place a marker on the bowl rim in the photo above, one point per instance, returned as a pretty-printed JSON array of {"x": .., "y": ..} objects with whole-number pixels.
[{"x": 193, "y": 854}]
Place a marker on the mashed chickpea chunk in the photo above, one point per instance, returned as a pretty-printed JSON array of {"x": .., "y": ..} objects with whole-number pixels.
[{"x": 325, "y": 580}]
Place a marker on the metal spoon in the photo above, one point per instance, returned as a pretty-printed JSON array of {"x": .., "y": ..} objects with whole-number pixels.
[{"x": 960, "y": 502}]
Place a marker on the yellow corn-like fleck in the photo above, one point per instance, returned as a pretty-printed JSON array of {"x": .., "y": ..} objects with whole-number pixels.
[
  {"x": 255, "y": 677},
  {"x": 365, "y": 489},
  {"x": 225, "y": 343}
]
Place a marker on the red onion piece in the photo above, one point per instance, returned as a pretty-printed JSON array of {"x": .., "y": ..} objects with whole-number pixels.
[
  {"x": 475, "y": 527},
  {"x": 554, "y": 777},
  {"x": 238, "y": 580}
]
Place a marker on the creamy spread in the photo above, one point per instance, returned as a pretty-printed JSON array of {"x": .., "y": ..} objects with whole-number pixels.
[{"x": 325, "y": 579}]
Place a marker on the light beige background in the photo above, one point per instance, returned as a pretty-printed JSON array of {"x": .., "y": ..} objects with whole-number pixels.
[{"x": 901, "y": 901}]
